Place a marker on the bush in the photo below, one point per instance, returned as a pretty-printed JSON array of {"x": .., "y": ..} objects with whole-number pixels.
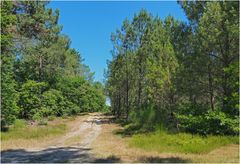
[
  {"x": 37, "y": 117},
  {"x": 45, "y": 112},
  {"x": 148, "y": 118},
  {"x": 82, "y": 95},
  {"x": 56, "y": 104},
  {"x": 30, "y": 98},
  {"x": 217, "y": 123},
  {"x": 64, "y": 116},
  {"x": 69, "y": 108},
  {"x": 53, "y": 101},
  {"x": 42, "y": 122},
  {"x": 51, "y": 118}
]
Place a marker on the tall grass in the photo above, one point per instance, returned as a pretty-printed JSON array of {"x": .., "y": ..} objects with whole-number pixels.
[
  {"x": 161, "y": 141},
  {"x": 20, "y": 130}
]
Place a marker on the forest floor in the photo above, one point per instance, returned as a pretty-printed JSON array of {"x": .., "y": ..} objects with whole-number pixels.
[{"x": 92, "y": 138}]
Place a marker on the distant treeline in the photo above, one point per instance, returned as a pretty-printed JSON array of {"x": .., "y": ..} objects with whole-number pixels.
[
  {"x": 179, "y": 75},
  {"x": 41, "y": 76}
]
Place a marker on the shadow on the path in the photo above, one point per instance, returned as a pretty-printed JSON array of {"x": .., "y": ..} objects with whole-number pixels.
[
  {"x": 51, "y": 155},
  {"x": 102, "y": 120},
  {"x": 162, "y": 160},
  {"x": 110, "y": 159}
]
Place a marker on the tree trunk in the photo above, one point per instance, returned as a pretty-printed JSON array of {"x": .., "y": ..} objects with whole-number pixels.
[
  {"x": 40, "y": 68},
  {"x": 210, "y": 85}
]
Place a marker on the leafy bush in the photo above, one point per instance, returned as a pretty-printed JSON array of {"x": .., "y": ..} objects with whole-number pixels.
[
  {"x": 45, "y": 112},
  {"x": 37, "y": 104},
  {"x": 42, "y": 122},
  {"x": 81, "y": 95},
  {"x": 30, "y": 98},
  {"x": 215, "y": 122},
  {"x": 37, "y": 117},
  {"x": 68, "y": 108},
  {"x": 53, "y": 101}
]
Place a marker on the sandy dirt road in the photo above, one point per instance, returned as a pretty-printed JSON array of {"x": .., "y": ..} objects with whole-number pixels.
[{"x": 87, "y": 129}]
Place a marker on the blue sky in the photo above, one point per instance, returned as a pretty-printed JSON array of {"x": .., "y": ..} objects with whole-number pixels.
[{"x": 90, "y": 24}]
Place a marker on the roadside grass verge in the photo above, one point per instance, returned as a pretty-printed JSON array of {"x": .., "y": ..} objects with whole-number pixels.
[
  {"x": 20, "y": 130},
  {"x": 162, "y": 141}
]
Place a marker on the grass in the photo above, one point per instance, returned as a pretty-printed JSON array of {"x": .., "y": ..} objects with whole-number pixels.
[
  {"x": 161, "y": 141},
  {"x": 20, "y": 130}
]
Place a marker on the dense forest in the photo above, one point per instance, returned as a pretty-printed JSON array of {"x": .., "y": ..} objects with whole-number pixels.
[
  {"x": 41, "y": 76},
  {"x": 182, "y": 76}
]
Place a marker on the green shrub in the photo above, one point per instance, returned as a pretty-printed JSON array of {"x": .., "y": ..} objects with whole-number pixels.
[
  {"x": 45, "y": 111},
  {"x": 53, "y": 101},
  {"x": 64, "y": 116},
  {"x": 51, "y": 118},
  {"x": 217, "y": 123},
  {"x": 19, "y": 123},
  {"x": 82, "y": 95},
  {"x": 58, "y": 105},
  {"x": 43, "y": 122},
  {"x": 147, "y": 119},
  {"x": 30, "y": 98},
  {"x": 37, "y": 116}
]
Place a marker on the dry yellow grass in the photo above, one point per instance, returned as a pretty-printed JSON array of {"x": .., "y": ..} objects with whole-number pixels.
[
  {"x": 73, "y": 140},
  {"x": 110, "y": 144}
]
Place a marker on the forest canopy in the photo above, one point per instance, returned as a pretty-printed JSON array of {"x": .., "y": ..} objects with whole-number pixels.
[
  {"x": 183, "y": 76},
  {"x": 41, "y": 75}
]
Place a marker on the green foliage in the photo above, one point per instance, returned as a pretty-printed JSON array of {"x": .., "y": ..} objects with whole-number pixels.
[
  {"x": 147, "y": 118},
  {"x": 19, "y": 123},
  {"x": 161, "y": 141},
  {"x": 53, "y": 102},
  {"x": 218, "y": 25},
  {"x": 51, "y": 118},
  {"x": 37, "y": 116},
  {"x": 217, "y": 123},
  {"x": 9, "y": 95},
  {"x": 8, "y": 19},
  {"x": 34, "y": 64},
  {"x": 143, "y": 66},
  {"x": 82, "y": 96},
  {"x": 30, "y": 98},
  {"x": 164, "y": 67},
  {"x": 159, "y": 67},
  {"x": 76, "y": 95}
]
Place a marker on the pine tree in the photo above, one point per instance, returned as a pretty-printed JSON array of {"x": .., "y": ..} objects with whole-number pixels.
[{"x": 8, "y": 84}]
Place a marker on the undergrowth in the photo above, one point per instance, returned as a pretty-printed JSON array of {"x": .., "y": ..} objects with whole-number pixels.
[{"x": 161, "y": 141}]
